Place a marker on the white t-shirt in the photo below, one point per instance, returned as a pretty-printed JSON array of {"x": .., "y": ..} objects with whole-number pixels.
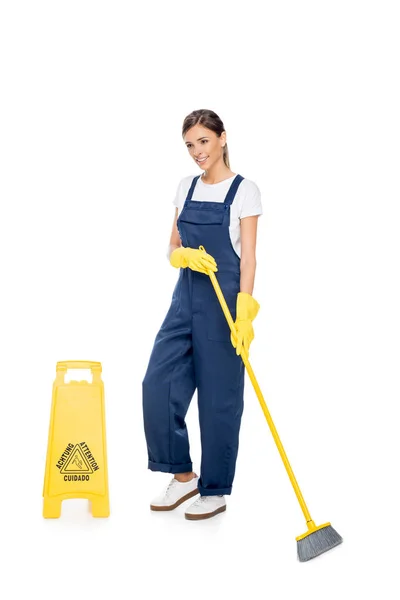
[{"x": 246, "y": 203}]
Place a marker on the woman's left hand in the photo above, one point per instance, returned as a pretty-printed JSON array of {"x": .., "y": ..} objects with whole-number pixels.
[
  {"x": 247, "y": 308},
  {"x": 244, "y": 336}
]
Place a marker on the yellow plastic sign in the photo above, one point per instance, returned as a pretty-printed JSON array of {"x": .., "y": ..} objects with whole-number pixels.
[{"x": 76, "y": 461}]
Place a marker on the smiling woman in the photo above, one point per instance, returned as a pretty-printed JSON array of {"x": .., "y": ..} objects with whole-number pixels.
[
  {"x": 194, "y": 348},
  {"x": 205, "y": 135}
]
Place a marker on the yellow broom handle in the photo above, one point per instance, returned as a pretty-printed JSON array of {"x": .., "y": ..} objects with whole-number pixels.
[{"x": 270, "y": 422}]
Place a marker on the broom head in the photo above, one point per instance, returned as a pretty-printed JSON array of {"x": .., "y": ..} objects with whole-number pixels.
[{"x": 316, "y": 541}]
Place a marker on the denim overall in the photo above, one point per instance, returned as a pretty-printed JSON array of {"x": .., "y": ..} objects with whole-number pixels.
[{"x": 193, "y": 350}]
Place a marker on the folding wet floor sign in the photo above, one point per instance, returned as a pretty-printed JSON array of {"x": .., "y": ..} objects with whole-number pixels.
[{"x": 76, "y": 461}]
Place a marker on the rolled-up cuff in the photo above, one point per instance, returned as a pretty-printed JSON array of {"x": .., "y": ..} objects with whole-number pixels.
[
  {"x": 214, "y": 491},
  {"x": 166, "y": 468}
]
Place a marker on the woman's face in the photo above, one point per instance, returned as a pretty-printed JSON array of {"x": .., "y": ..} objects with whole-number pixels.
[{"x": 204, "y": 146}]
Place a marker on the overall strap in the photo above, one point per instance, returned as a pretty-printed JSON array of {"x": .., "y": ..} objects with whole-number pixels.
[
  {"x": 232, "y": 190},
  {"x": 191, "y": 189}
]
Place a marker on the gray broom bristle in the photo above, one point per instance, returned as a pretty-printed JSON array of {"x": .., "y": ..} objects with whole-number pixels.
[{"x": 317, "y": 542}]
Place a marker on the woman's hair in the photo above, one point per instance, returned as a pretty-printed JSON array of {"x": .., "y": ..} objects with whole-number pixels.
[{"x": 210, "y": 120}]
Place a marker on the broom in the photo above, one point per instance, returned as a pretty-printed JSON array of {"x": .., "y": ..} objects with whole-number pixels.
[{"x": 318, "y": 538}]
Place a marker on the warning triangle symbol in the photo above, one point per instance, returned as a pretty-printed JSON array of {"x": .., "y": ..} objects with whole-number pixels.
[{"x": 77, "y": 462}]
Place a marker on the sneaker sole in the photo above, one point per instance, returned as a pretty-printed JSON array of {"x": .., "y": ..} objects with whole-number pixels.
[
  {"x": 177, "y": 503},
  {"x": 204, "y": 516}
]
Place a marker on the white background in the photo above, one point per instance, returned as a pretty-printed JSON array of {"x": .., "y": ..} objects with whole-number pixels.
[{"x": 92, "y": 103}]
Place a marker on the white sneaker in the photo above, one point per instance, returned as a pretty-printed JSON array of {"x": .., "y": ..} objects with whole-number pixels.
[
  {"x": 176, "y": 493},
  {"x": 205, "y": 507}
]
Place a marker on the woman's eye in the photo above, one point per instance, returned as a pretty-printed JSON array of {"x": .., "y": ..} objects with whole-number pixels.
[{"x": 202, "y": 141}]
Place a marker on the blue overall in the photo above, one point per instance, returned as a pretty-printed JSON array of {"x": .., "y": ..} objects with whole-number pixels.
[{"x": 193, "y": 350}]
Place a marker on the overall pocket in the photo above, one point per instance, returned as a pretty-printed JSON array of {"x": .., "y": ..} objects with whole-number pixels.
[
  {"x": 218, "y": 329},
  {"x": 203, "y": 213}
]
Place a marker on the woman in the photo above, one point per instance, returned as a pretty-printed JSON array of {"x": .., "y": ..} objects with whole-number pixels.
[{"x": 194, "y": 348}]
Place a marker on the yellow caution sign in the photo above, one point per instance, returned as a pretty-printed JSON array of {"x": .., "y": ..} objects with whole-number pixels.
[{"x": 76, "y": 461}]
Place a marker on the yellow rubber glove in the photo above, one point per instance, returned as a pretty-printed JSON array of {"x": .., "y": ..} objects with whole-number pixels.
[
  {"x": 197, "y": 260},
  {"x": 246, "y": 311}
]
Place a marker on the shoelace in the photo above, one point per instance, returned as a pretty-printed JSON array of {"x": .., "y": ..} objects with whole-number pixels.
[
  {"x": 170, "y": 486},
  {"x": 201, "y": 500}
]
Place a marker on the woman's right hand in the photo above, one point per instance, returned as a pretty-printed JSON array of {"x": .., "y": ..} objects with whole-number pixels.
[{"x": 197, "y": 260}]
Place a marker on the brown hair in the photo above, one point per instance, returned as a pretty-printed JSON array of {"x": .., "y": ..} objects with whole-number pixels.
[{"x": 210, "y": 120}]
